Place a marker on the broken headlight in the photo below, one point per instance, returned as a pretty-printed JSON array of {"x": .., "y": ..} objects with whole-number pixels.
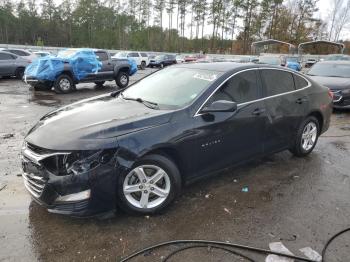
[{"x": 78, "y": 161}]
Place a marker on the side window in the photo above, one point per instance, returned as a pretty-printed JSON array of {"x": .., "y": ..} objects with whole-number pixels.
[
  {"x": 300, "y": 82},
  {"x": 102, "y": 56},
  {"x": 133, "y": 55},
  {"x": 6, "y": 56},
  {"x": 144, "y": 55},
  {"x": 240, "y": 88},
  {"x": 19, "y": 52},
  {"x": 277, "y": 81}
]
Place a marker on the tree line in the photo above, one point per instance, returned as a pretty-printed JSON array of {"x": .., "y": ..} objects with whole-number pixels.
[{"x": 143, "y": 25}]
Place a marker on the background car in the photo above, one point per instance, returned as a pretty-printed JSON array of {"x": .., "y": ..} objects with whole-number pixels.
[
  {"x": 42, "y": 53},
  {"x": 337, "y": 57},
  {"x": 141, "y": 58},
  {"x": 12, "y": 65},
  {"x": 180, "y": 59},
  {"x": 310, "y": 62},
  {"x": 73, "y": 66},
  {"x": 272, "y": 60},
  {"x": 293, "y": 63},
  {"x": 162, "y": 61},
  {"x": 29, "y": 56},
  {"x": 336, "y": 76},
  {"x": 136, "y": 148}
]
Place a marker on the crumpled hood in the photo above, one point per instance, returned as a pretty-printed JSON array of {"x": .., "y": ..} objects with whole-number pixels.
[
  {"x": 332, "y": 82},
  {"x": 94, "y": 123}
]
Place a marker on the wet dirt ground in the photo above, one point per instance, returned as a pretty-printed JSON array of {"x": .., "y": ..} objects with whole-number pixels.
[{"x": 299, "y": 202}]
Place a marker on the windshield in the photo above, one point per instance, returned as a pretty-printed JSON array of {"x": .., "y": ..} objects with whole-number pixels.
[
  {"x": 172, "y": 88},
  {"x": 331, "y": 70},
  {"x": 67, "y": 53},
  {"x": 159, "y": 57},
  {"x": 121, "y": 55},
  {"x": 270, "y": 60}
]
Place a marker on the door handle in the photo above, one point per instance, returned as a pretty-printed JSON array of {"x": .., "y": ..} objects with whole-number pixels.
[
  {"x": 258, "y": 111},
  {"x": 301, "y": 100}
]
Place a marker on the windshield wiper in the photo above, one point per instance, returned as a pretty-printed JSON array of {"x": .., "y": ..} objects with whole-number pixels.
[{"x": 149, "y": 104}]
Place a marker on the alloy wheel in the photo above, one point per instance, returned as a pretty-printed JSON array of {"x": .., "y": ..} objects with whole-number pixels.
[
  {"x": 309, "y": 136},
  {"x": 146, "y": 186},
  {"x": 123, "y": 80},
  {"x": 64, "y": 84}
]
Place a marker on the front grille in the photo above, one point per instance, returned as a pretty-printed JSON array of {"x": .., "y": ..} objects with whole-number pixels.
[
  {"x": 34, "y": 184},
  {"x": 70, "y": 207}
]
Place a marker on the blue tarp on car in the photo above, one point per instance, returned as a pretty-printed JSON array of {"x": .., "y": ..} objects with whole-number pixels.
[
  {"x": 82, "y": 62},
  {"x": 133, "y": 66}
]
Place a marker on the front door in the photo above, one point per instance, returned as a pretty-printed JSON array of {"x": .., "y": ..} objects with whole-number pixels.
[{"x": 226, "y": 138}]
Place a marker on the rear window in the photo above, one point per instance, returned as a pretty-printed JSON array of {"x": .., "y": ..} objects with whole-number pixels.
[
  {"x": 4, "y": 56},
  {"x": 133, "y": 55},
  {"x": 102, "y": 56},
  {"x": 19, "y": 52},
  {"x": 277, "y": 82},
  {"x": 300, "y": 82}
]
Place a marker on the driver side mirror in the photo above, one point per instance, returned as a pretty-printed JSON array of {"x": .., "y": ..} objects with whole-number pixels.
[{"x": 220, "y": 106}]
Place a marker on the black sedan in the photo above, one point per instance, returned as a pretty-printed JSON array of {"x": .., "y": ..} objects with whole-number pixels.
[
  {"x": 162, "y": 61},
  {"x": 336, "y": 76},
  {"x": 136, "y": 148}
]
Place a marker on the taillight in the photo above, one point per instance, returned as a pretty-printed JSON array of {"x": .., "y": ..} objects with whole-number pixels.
[{"x": 330, "y": 93}]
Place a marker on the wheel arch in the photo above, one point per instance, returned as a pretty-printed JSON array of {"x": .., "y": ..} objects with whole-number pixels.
[
  {"x": 318, "y": 115},
  {"x": 174, "y": 155}
]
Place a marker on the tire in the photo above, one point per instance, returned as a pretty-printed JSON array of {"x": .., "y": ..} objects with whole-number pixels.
[
  {"x": 301, "y": 145},
  {"x": 122, "y": 79},
  {"x": 143, "y": 65},
  {"x": 170, "y": 185},
  {"x": 64, "y": 84},
  {"x": 19, "y": 73},
  {"x": 99, "y": 83}
]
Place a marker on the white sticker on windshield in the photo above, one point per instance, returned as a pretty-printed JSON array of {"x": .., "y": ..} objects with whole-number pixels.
[{"x": 205, "y": 76}]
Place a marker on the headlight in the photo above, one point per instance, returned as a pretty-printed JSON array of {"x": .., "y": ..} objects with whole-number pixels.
[{"x": 78, "y": 161}]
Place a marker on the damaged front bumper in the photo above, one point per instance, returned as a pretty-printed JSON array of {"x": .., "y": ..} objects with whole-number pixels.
[{"x": 80, "y": 191}]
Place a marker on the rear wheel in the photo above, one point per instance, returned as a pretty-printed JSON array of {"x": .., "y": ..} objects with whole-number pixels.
[
  {"x": 122, "y": 79},
  {"x": 307, "y": 137},
  {"x": 19, "y": 73},
  {"x": 64, "y": 84},
  {"x": 143, "y": 65},
  {"x": 150, "y": 186}
]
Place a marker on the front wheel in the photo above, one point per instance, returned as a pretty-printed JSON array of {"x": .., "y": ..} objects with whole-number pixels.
[
  {"x": 122, "y": 79},
  {"x": 64, "y": 84},
  {"x": 150, "y": 186},
  {"x": 307, "y": 137},
  {"x": 19, "y": 73}
]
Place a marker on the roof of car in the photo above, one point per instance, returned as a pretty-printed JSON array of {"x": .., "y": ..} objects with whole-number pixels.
[
  {"x": 338, "y": 62},
  {"x": 224, "y": 66}
]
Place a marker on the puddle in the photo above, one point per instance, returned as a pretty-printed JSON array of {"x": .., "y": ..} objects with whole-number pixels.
[{"x": 44, "y": 99}]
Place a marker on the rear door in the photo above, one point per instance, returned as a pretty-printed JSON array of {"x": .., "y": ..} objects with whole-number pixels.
[
  {"x": 7, "y": 64},
  {"x": 283, "y": 110},
  {"x": 225, "y": 138},
  {"x": 107, "y": 67}
]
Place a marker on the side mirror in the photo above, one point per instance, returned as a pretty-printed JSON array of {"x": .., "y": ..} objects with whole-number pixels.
[{"x": 220, "y": 106}]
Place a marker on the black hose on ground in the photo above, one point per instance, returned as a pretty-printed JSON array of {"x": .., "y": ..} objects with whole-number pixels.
[{"x": 225, "y": 246}]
